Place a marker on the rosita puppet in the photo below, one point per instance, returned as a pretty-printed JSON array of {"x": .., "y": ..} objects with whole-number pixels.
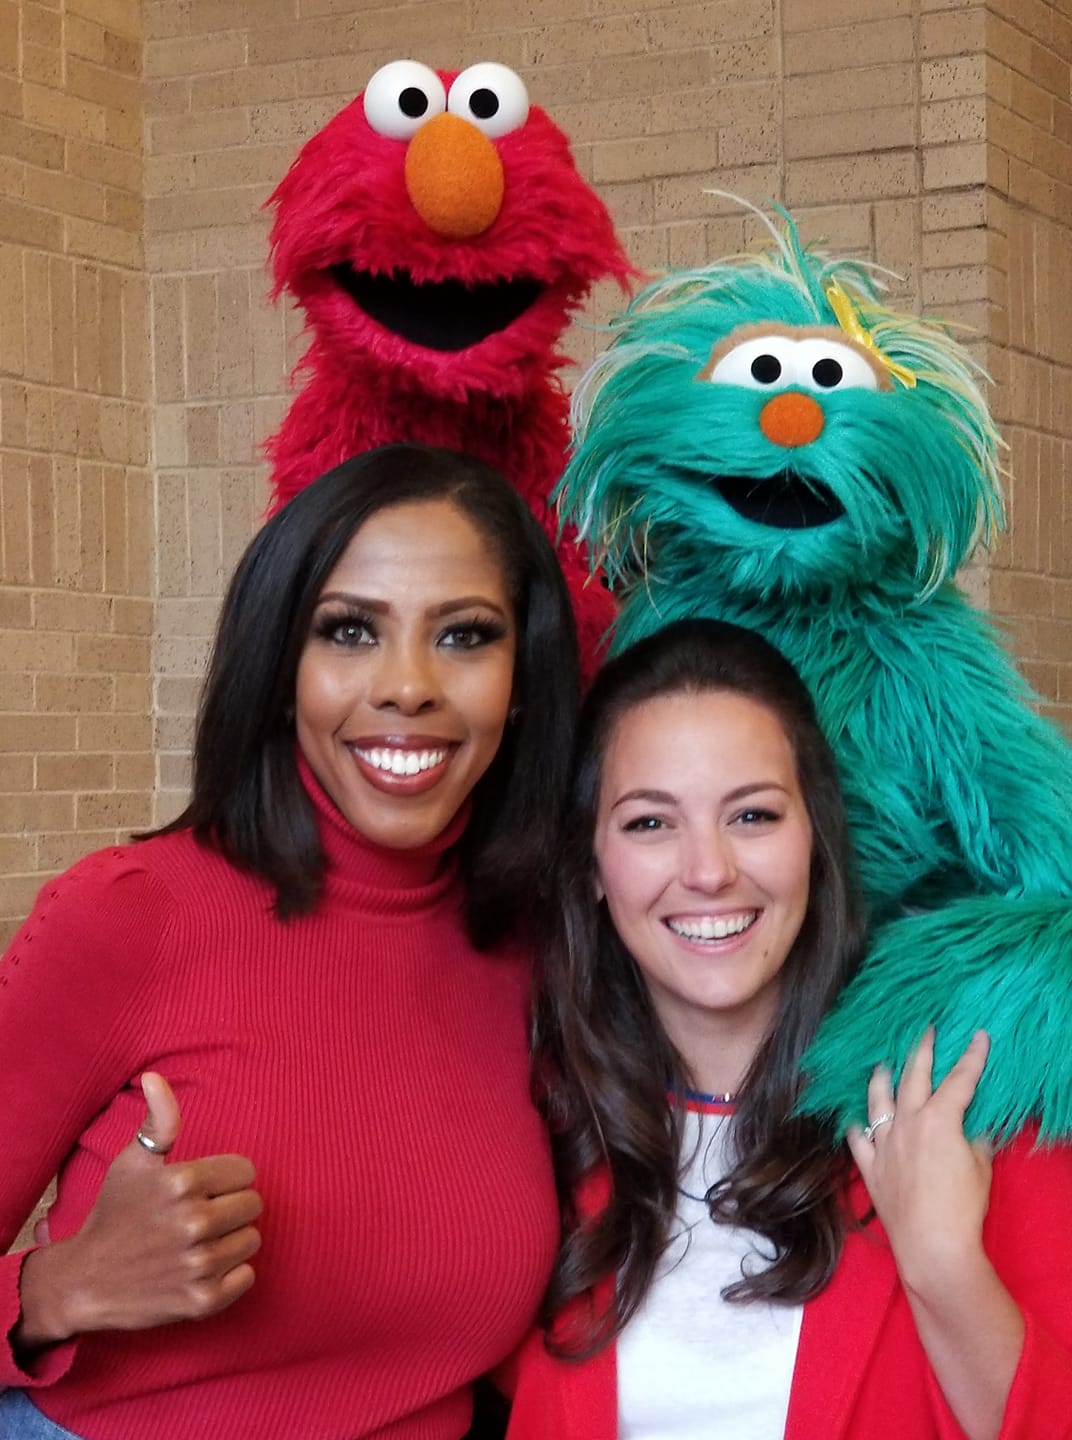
[
  {"x": 766, "y": 442},
  {"x": 438, "y": 237}
]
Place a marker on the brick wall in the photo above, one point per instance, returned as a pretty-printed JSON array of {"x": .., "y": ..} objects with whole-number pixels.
[
  {"x": 1030, "y": 253},
  {"x": 75, "y": 517}
]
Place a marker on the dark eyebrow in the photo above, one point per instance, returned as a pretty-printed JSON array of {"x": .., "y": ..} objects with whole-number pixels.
[
  {"x": 382, "y": 607},
  {"x": 665, "y": 797}
]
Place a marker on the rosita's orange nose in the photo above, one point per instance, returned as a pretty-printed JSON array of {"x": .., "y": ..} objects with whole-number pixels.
[
  {"x": 454, "y": 177},
  {"x": 792, "y": 418}
]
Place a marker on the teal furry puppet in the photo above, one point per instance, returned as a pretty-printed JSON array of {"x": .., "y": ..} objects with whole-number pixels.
[{"x": 767, "y": 443}]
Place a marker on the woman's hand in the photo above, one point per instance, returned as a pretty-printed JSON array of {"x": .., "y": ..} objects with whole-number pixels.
[
  {"x": 162, "y": 1242},
  {"x": 929, "y": 1185}
]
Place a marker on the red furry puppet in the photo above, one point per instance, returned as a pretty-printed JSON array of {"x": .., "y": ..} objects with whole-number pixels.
[{"x": 438, "y": 237}]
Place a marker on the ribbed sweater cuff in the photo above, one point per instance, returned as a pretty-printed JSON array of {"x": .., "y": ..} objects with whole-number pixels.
[{"x": 50, "y": 1363}]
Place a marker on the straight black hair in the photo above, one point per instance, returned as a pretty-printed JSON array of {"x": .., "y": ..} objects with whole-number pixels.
[{"x": 247, "y": 797}]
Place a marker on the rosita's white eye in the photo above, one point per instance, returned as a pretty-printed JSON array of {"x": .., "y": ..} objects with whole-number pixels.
[
  {"x": 492, "y": 97},
  {"x": 776, "y": 362},
  {"x": 825, "y": 365},
  {"x": 762, "y": 362},
  {"x": 401, "y": 96}
]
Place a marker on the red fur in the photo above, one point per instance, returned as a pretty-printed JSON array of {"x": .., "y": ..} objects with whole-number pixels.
[{"x": 344, "y": 200}]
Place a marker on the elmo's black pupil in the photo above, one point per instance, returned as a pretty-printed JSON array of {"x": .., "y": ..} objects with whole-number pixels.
[
  {"x": 484, "y": 104},
  {"x": 766, "y": 369},
  {"x": 413, "y": 102},
  {"x": 827, "y": 373}
]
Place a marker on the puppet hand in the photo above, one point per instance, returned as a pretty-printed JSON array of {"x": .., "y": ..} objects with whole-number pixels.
[
  {"x": 162, "y": 1242},
  {"x": 930, "y": 1187}
]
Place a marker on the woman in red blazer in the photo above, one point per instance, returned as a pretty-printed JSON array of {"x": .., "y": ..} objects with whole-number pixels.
[{"x": 728, "y": 1268}]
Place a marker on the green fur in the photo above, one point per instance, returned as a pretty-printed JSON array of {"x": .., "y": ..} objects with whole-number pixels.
[{"x": 959, "y": 795}]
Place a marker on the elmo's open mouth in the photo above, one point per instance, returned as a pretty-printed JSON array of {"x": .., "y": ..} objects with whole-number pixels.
[
  {"x": 785, "y": 501},
  {"x": 441, "y": 315}
]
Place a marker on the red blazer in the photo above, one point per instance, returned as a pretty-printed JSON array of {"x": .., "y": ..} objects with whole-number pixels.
[{"x": 861, "y": 1373}]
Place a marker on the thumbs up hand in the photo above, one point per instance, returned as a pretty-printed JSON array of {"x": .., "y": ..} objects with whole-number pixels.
[{"x": 163, "y": 1242}]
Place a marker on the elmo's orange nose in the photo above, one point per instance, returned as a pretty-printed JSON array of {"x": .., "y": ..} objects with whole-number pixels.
[
  {"x": 454, "y": 177},
  {"x": 792, "y": 419}
]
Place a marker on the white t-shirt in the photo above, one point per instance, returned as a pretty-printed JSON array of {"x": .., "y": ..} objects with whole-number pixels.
[{"x": 691, "y": 1367}]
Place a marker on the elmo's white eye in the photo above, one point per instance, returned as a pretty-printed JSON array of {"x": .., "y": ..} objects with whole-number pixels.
[
  {"x": 825, "y": 365},
  {"x": 401, "y": 96},
  {"x": 492, "y": 97},
  {"x": 763, "y": 362}
]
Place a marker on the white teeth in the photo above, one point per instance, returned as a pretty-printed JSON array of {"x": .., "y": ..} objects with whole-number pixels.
[
  {"x": 710, "y": 927},
  {"x": 402, "y": 762}
]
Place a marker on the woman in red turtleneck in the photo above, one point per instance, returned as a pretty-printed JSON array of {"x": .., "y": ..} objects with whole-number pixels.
[{"x": 277, "y": 1051}]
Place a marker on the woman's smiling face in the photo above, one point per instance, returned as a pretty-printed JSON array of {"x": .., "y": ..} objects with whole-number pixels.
[
  {"x": 404, "y": 685},
  {"x": 703, "y": 850}
]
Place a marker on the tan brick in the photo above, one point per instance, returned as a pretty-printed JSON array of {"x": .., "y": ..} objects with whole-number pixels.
[
  {"x": 182, "y": 655},
  {"x": 104, "y": 164},
  {"x": 179, "y": 134},
  {"x": 28, "y": 225},
  {"x": 952, "y": 166},
  {"x": 132, "y": 617},
  {"x": 105, "y": 653},
  {"x": 43, "y": 67},
  {"x": 820, "y": 14},
  {"x": 122, "y": 16},
  {"x": 177, "y": 695},
  {"x": 680, "y": 154},
  {"x": 856, "y": 177},
  {"x": 114, "y": 809},
  {"x": 31, "y": 813},
  {"x": 684, "y": 27},
  {"x": 946, "y": 248},
  {"x": 74, "y": 694},
  {"x": 114, "y": 732},
  {"x": 954, "y": 211},
  {"x": 74, "y": 772},
  {"x": 18, "y": 854},
  {"x": 56, "y": 610},
  {"x": 850, "y": 133},
  {"x": 135, "y": 772},
  {"x": 876, "y": 85},
  {"x": 33, "y": 732},
  {"x": 953, "y": 121},
  {"x": 61, "y": 851},
  {"x": 175, "y": 772},
  {"x": 133, "y": 694},
  {"x": 195, "y": 55},
  {"x": 18, "y": 893},
  {"x": 173, "y": 732},
  {"x": 826, "y": 50},
  {"x": 16, "y": 774},
  {"x": 962, "y": 32}
]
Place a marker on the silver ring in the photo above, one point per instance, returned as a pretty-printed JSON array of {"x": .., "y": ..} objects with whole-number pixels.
[
  {"x": 886, "y": 1118},
  {"x": 153, "y": 1146}
]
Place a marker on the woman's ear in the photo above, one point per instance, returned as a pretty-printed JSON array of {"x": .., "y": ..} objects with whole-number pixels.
[{"x": 597, "y": 886}]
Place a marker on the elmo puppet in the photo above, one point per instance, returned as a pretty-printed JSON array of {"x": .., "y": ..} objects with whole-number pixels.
[{"x": 438, "y": 237}]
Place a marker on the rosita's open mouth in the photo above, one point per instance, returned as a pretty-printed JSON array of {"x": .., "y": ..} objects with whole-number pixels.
[
  {"x": 785, "y": 501},
  {"x": 440, "y": 315}
]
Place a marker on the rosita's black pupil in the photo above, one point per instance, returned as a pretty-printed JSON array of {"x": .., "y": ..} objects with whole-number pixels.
[
  {"x": 827, "y": 373},
  {"x": 484, "y": 104},
  {"x": 413, "y": 102},
  {"x": 766, "y": 369}
]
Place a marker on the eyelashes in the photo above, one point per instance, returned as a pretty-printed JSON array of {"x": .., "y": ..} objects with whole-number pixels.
[{"x": 351, "y": 628}]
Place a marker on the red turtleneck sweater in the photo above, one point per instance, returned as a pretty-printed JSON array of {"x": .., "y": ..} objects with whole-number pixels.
[{"x": 369, "y": 1062}]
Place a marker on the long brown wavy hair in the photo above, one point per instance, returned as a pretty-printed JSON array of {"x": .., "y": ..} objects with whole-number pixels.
[{"x": 603, "y": 1062}]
